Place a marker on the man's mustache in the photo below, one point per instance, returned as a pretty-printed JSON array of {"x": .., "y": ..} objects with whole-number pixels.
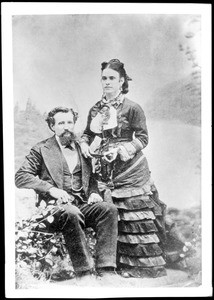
[
  {"x": 67, "y": 133},
  {"x": 67, "y": 137}
]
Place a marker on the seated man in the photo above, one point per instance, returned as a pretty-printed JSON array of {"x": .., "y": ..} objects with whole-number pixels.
[{"x": 55, "y": 169}]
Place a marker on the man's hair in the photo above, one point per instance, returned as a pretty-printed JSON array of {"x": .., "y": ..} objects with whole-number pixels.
[{"x": 50, "y": 118}]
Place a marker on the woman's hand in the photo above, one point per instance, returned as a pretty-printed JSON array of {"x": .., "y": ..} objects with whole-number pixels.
[
  {"x": 110, "y": 155},
  {"x": 125, "y": 155},
  {"x": 85, "y": 149},
  {"x": 94, "y": 198}
]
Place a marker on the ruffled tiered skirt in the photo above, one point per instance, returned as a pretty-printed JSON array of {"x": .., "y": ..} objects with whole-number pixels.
[{"x": 140, "y": 232}]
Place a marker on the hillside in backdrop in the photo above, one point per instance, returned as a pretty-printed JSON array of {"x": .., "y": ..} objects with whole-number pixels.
[
  {"x": 180, "y": 100},
  {"x": 30, "y": 127}
]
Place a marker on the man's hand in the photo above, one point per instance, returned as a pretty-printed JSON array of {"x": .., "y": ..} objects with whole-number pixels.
[
  {"x": 61, "y": 195},
  {"x": 94, "y": 198}
]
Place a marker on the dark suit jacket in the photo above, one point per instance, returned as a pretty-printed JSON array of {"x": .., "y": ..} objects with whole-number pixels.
[{"x": 43, "y": 169}]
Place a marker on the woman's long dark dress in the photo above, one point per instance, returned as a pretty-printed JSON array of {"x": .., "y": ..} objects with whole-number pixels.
[{"x": 129, "y": 184}]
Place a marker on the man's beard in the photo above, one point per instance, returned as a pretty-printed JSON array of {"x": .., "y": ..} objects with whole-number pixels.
[{"x": 67, "y": 137}]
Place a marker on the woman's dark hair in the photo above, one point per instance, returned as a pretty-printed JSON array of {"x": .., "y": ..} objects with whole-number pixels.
[
  {"x": 50, "y": 117},
  {"x": 118, "y": 66}
]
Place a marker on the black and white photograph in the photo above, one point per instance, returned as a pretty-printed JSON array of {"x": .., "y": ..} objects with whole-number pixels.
[{"x": 107, "y": 149}]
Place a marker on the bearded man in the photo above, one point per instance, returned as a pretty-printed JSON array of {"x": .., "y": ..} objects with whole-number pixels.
[{"x": 56, "y": 170}]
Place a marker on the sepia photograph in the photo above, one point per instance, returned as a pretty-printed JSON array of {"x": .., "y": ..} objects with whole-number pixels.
[{"x": 107, "y": 149}]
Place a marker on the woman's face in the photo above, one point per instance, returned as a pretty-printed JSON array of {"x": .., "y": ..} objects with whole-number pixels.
[{"x": 111, "y": 82}]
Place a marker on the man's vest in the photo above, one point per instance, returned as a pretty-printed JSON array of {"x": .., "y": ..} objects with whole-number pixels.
[{"x": 71, "y": 181}]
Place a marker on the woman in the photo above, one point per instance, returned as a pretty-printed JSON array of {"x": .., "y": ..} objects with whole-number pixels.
[{"x": 115, "y": 134}]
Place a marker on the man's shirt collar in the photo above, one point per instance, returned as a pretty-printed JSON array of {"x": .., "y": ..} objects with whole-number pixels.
[{"x": 64, "y": 146}]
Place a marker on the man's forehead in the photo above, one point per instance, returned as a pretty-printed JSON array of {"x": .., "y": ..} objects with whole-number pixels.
[{"x": 64, "y": 116}]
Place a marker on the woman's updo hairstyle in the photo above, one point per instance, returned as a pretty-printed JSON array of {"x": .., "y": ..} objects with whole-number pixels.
[{"x": 118, "y": 66}]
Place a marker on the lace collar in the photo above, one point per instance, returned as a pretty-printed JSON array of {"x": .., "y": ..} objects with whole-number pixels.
[{"x": 113, "y": 102}]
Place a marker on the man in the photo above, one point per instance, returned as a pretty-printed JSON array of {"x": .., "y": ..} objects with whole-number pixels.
[{"x": 55, "y": 169}]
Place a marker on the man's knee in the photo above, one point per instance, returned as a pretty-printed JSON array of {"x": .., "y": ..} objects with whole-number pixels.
[
  {"x": 72, "y": 210},
  {"x": 72, "y": 214},
  {"x": 109, "y": 208}
]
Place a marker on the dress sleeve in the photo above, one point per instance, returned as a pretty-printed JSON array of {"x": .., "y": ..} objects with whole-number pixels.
[{"x": 138, "y": 124}]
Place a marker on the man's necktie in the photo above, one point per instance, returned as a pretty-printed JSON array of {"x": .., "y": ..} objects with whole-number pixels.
[{"x": 70, "y": 147}]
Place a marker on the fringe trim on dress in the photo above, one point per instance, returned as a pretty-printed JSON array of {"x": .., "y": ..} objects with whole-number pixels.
[
  {"x": 136, "y": 239},
  {"x": 142, "y": 262},
  {"x": 136, "y": 215},
  {"x": 139, "y": 250},
  {"x": 138, "y": 203},
  {"x": 137, "y": 226},
  {"x": 133, "y": 203}
]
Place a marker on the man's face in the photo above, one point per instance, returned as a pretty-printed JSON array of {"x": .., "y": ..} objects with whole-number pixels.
[{"x": 63, "y": 127}]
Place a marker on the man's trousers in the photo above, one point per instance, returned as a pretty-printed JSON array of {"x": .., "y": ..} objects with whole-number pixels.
[{"x": 72, "y": 220}]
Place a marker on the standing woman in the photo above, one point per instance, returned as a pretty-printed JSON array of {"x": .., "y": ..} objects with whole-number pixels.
[{"x": 115, "y": 134}]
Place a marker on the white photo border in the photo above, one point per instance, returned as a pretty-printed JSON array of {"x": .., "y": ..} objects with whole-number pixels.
[{"x": 25, "y": 8}]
